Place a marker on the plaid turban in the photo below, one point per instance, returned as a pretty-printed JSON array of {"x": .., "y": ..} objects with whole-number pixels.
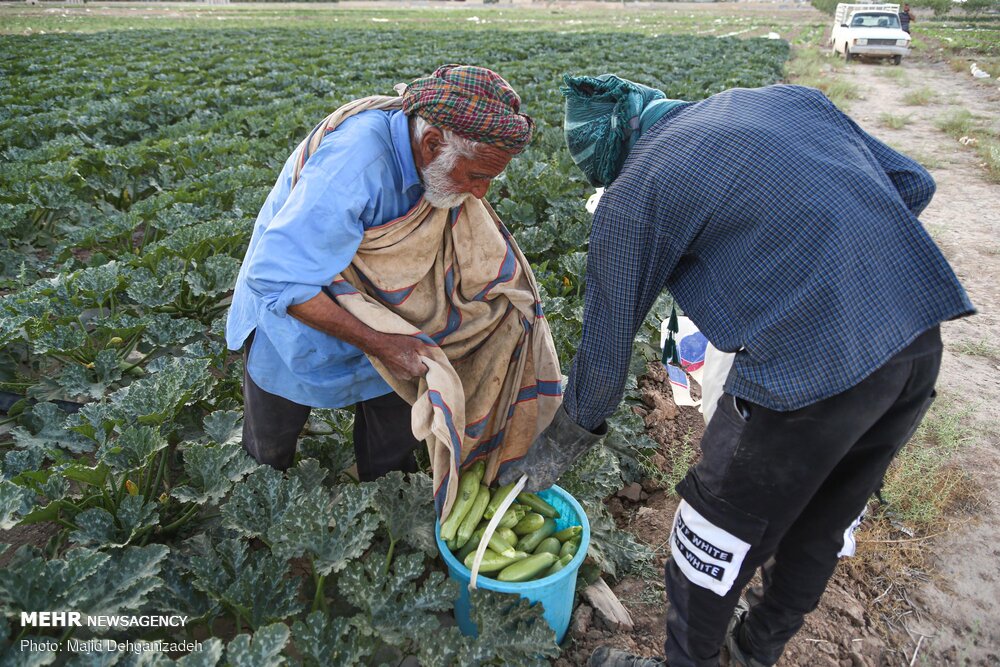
[{"x": 472, "y": 102}]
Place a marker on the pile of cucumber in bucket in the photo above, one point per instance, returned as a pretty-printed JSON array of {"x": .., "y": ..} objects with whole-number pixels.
[{"x": 526, "y": 546}]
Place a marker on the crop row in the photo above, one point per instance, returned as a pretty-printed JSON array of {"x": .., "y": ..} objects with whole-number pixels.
[{"x": 133, "y": 166}]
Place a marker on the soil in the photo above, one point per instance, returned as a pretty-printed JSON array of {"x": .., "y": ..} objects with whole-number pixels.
[{"x": 890, "y": 605}]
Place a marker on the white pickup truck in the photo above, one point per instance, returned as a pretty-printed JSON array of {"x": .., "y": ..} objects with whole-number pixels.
[{"x": 869, "y": 30}]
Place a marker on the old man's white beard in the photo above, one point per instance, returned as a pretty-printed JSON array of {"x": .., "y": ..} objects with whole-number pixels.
[{"x": 439, "y": 188}]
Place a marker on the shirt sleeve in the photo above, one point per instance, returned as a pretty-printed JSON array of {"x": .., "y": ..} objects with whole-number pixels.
[
  {"x": 628, "y": 263},
  {"x": 317, "y": 231},
  {"x": 915, "y": 185}
]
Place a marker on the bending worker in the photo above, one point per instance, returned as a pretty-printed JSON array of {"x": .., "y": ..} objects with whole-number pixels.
[
  {"x": 790, "y": 237},
  {"x": 375, "y": 161}
]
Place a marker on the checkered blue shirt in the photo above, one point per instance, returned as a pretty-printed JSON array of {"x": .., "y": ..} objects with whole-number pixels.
[{"x": 783, "y": 230}]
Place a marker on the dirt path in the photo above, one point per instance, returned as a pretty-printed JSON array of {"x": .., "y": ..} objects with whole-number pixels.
[{"x": 957, "y": 610}]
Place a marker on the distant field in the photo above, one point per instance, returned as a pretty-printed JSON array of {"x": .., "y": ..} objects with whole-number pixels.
[{"x": 675, "y": 18}]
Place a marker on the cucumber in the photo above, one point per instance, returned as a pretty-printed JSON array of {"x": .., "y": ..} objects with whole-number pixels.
[
  {"x": 472, "y": 544},
  {"x": 494, "y": 562},
  {"x": 569, "y": 533},
  {"x": 471, "y": 520},
  {"x": 498, "y": 497},
  {"x": 558, "y": 565},
  {"x": 526, "y": 568},
  {"x": 569, "y": 547},
  {"x": 468, "y": 490},
  {"x": 531, "y": 541},
  {"x": 531, "y": 522},
  {"x": 537, "y": 504},
  {"x": 497, "y": 543},
  {"x": 511, "y": 517},
  {"x": 549, "y": 544},
  {"x": 508, "y": 535}
]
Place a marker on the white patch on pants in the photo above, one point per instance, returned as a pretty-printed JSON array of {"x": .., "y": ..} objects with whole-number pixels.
[
  {"x": 850, "y": 544},
  {"x": 708, "y": 556}
]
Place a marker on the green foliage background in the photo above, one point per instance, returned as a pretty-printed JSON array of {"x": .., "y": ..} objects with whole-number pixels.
[{"x": 133, "y": 166}]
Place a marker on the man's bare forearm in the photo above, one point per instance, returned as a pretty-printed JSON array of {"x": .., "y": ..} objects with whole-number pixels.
[
  {"x": 322, "y": 313},
  {"x": 398, "y": 353}
]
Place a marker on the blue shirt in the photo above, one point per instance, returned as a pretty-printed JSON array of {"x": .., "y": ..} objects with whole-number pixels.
[
  {"x": 361, "y": 176},
  {"x": 785, "y": 232}
]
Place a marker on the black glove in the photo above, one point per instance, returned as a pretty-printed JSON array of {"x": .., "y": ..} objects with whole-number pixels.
[{"x": 553, "y": 452}]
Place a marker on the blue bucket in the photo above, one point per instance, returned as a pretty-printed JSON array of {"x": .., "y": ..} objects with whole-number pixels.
[{"x": 555, "y": 592}]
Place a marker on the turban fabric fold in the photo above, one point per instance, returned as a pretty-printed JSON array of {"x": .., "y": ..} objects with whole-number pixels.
[
  {"x": 605, "y": 115},
  {"x": 473, "y": 102}
]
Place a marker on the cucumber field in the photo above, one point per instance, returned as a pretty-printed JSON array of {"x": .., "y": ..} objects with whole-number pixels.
[{"x": 137, "y": 144}]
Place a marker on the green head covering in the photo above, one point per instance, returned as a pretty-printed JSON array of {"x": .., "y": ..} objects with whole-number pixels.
[{"x": 605, "y": 115}]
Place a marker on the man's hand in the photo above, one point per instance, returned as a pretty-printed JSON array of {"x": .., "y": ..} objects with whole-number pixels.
[
  {"x": 552, "y": 453},
  {"x": 400, "y": 355}
]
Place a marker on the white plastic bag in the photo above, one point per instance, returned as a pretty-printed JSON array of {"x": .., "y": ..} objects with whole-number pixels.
[{"x": 701, "y": 362}]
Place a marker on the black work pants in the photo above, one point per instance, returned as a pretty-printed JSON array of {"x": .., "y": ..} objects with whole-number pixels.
[
  {"x": 783, "y": 488},
  {"x": 383, "y": 439}
]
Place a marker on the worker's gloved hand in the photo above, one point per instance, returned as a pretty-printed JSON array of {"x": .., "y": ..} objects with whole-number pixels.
[{"x": 552, "y": 453}]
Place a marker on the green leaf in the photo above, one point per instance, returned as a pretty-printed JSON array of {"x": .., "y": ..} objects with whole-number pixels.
[
  {"x": 628, "y": 440},
  {"x": 406, "y": 507},
  {"x": 333, "y": 532},
  {"x": 88, "y": 581},
  {"x": 254, "y": 584},
  {"x": 594, "y": 477},
  {"x": 392, "y": 605},
  {"x": 211, "y": 472},
  {"x": 90, "y": 658},
  {"x": 97, "y": 282},
  {"x": 323, "y": 640},
  {"x": 224, "y": 426},
  {"x": 260, "y": 501},
  {"x": 134, "y": 448},
  {"x": 94, "y": 527},
  {"x": 47, "y": 429},
  {"x": 449, "y": 648},
  {"x": 31, "y": 582},
  {"x": 60, "y": 338},
  {"x": 45, "y": 514},
  {"x": 309, "y": 473},
  {"x": 208, "y": 656},
  {"x": 11, "y": 655},
  {"x": 125, "y": 581},
  {"x": 215, "y": 275},
  {"x": 15, "y": 503},
  {"x": 264, "y": 650},
  {"x": 94, "y": 476},
  {"x": 98, "y": 527},
  {"x": 616, "y": 552},
  {"x": 153, "y": 291},
  {"x": 512, "y": 631},
  {"x": 154, "y": 399},
  {"x": 332, "y": 452},
  {"x": 165, "y": 331},
  {"x": 18, "y": 461},
  {"x": 177, "y": 594}
]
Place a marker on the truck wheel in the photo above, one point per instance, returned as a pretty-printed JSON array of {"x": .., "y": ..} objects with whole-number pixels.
[
  {"x": 897, "y": 59},
  {"x": 847, "y": 53}
]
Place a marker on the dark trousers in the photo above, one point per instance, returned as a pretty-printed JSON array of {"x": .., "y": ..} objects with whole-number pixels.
[
  {"x": 383, "y": 440},
  {"x": 783, "y": 489}
]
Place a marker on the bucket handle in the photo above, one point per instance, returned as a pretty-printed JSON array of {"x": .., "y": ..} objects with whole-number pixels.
[{"x": 491, "y": 528}]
